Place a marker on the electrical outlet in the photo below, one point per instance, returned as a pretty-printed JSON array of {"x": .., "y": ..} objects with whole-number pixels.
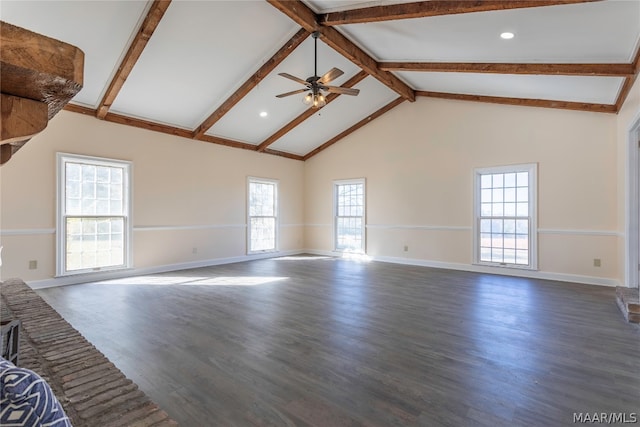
[
  {"x": 597, "y": 262},
  {"x": 406, "y": 248},
  {"x": 33, "y": 264},
  {"x": 194, "y": 250}
]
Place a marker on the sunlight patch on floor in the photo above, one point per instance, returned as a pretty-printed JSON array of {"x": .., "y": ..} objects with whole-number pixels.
[
  {"x": 302, "y": 258},
  {"x": 194, "y": 281}
]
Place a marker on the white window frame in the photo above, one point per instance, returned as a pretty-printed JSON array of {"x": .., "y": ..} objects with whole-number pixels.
[
  {"x": 532, "y": 169},
  {"x": 336, "y": 184},
  {"x": 61, "y": 216},
  {"x": 276, "y": 216}
]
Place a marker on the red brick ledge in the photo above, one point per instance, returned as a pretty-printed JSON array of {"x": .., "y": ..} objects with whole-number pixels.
[{"x": 91, "y": 389}]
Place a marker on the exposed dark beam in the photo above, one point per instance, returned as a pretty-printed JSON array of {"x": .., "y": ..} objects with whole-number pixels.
[
  {"x": 355, "y": 127},
  {"x": 307, "y": 19},
  {"x": 424, "y": 9},
  {"x": 149, "y": 25},
  {"x": 563, "y": 105},
  {"x": 629, "y": 81},
  {"x": 308, "y": 113},
  {"x": 227, "y": 142},
  {"x": 609, "y": 70},
  {"x": 74, "y": 108},
  {"x": 171, "y": 130},
  {"x": 284, "y": 154},
  {"x": 252, "y": 82},
  {"x": 148, "y": 125}
]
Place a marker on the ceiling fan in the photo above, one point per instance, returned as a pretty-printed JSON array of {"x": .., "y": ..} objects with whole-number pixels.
[{"x": 316, "y": 85}]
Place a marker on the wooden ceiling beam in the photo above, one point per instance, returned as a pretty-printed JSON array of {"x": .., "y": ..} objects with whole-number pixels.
[
  {"x": 629, "y": 81},
  {"x": 423, "y": 9},
  {"x": 308, "y": 113},
  {"x": 172, "y": 130},
  {"x": 608, "y": 70},
  {"x": 307, "y": 19},
  {"x": 252, "y": 82},
  {"x": 149, "y": 25},
  {"x": 563, "y": 105},
  {"x": 355, "y": 127}
]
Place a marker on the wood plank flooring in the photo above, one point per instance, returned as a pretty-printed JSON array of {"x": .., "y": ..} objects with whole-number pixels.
[{"x": 317, "y": 341}]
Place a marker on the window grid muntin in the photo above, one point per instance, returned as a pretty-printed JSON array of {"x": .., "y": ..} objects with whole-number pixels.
[
  {"x": 504, "y": 220},
  {"x": 349, "y": 216},
  {"x": 262, "y": 215}
]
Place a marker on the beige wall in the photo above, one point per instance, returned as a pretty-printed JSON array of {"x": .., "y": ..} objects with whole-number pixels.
[
  {"x": 419, "y": 188},
  {"x": 418, "y": 161},
  {"x": 186, "y": 195}
]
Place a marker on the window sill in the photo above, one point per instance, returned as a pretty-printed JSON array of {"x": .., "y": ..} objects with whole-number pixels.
[{"x": 507, "y": 266}]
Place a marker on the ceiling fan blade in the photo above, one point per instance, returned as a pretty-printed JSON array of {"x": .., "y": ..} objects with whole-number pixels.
[
  {"x": 282, "y": 95},
  {"x": 294, "y": 78},
  {"x": 341, "y": 90},
  {"x": 330, "y": 75}
]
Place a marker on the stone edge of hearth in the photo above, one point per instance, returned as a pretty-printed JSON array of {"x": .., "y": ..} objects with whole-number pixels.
[
  {"x": 91, "y": 389},
  {"x": 629, "y": 303}
]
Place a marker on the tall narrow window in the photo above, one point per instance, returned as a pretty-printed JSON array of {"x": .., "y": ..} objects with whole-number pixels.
[
  {"x": 262, "y": 215},
  {"x": 505, "y": 225},
  {"x": 349, "y": 221},
  {"x": 93, "y": 214}
]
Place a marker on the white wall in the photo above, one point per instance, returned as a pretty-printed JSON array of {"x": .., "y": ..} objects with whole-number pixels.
[
  {"x": 419, "y": 158},
  {"x": 186, "y": 195}
]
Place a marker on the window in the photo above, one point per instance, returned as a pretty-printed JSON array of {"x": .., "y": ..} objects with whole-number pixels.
[
  {"x": 262, "y": 215},
  {"x": 93, "y": 214},
  {"x": 349, "y": 221},
  {"x": 505, "y": 223}
]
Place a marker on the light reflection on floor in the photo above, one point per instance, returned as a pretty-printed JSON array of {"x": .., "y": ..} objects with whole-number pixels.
[{"x": 160, "y": 280}]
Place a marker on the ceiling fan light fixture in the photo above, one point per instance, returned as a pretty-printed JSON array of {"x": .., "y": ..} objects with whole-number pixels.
[
  {"x": 308, "y": 99},
  {"x": 319, "y": 101},
  {"x": 315, "y": 100},
  {"x": 315, "y": 84}
]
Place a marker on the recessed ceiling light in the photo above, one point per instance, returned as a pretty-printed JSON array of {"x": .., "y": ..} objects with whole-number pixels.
[
  {"x": 263, "y": 114},
  {"x": 507, "y": 35}
]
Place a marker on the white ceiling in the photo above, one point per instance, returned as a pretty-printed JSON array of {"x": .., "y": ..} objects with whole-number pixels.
[{"x": 203, "y": 51}]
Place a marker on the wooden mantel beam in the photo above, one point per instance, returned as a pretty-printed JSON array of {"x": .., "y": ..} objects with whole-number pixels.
[
  {"x": 423, "y": 9},
  {"x": 38, "y": 77},
  {"x": 149, "y": 25},
  {"x": 307, "y": 19},
  {"x": 40, "y": 68}
]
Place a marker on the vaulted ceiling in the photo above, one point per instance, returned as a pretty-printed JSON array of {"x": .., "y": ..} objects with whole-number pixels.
[{"x": 206, "y": 70}]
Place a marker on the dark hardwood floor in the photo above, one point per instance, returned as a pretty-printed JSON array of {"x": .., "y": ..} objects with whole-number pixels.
[{"x": 316, "y": 341}]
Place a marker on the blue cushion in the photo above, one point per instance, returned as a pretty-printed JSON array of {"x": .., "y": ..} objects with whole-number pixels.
[{"x": 27, "y": 400}]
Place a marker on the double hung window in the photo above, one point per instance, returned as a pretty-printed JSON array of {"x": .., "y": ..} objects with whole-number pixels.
[
  {"x": 505, "y": 216},
  {"x": 262, "y": 215},
  {"x": 93, "y": 229},
  {"x": 349, "y": 216}
]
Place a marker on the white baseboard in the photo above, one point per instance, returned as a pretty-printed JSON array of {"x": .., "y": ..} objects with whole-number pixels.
[
  {"x": 118, "y": 274},
  {"x": 544, "y": 275},
  {"x": 107, "y": 275}
]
